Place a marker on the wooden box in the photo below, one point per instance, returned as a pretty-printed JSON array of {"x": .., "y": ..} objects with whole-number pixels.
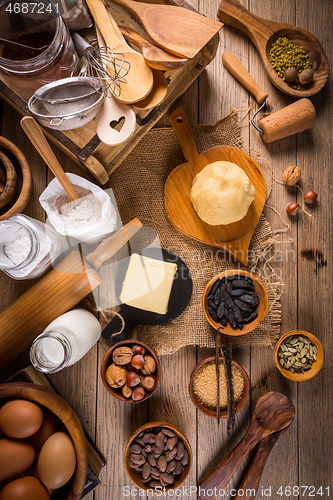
[{"x": 83, "y": 145}]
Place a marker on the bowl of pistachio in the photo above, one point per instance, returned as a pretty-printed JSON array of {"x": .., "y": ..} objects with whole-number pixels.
[{"x": 299, "y": 355}]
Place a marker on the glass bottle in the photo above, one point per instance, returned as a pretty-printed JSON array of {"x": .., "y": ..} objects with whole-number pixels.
[
  {"x": 65, "y": 341},
  {"x": 28, "y": 248},
  {"x": 21, "y": 20}
]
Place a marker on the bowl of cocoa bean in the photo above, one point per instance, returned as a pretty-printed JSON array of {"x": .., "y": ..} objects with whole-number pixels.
[
  {"x": 235, "y": 302},
  {"x": 158, "y": 455},
  {"x": 131, "y": 371}
]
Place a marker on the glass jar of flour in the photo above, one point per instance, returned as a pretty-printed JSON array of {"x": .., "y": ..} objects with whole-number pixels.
[
  {"x": 28, "y": 248},
  {"x": 64, "y": 341}
]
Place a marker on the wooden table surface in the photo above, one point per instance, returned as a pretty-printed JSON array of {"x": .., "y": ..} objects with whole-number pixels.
[{"x": 303, "y": 456}]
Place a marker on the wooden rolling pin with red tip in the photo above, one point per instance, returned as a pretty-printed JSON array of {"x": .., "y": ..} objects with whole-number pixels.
[
  {"x": 57, "y": 292},
  {"x": 296, "y": 117}
]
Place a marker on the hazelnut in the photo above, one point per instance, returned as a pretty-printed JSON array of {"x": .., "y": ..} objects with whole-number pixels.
[
  {"x": 310, "y": 197},
  {"x": 306, "y": 76},
  {"x": 292, "y": 208},
  {"x": 291, "y": 175},
  {"x": 149, "y": 365},
  {"x": 127, "y": 391},
  {"x": 138, "y": 361},
  {"x": 116, "y": 376},
  {"x": 133, "y": 379},
  {"x": 149, "y": 382},
  {"x": 122, "y": 355},
  {"x": 138, "y": 393},
  {"x": 290, "y": 74},
  {"x": 139, "y": 349}
]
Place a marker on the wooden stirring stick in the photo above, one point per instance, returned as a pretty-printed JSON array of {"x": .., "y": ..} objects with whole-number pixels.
[{"x": 37, "y": 138}]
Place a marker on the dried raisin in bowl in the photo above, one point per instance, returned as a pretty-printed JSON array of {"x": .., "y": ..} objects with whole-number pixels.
[
  {"x": 316, "y": 365},
  {"x": 261, "y": 308},
  {"x": 108, "y": 361},
  {"x": 136, "y": 476}
]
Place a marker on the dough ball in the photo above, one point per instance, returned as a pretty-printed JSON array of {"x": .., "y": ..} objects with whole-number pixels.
[{"x": 222, "y": 193}]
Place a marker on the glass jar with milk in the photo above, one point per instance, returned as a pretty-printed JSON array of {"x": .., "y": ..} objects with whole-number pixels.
[{"x": 65, "y": 341}]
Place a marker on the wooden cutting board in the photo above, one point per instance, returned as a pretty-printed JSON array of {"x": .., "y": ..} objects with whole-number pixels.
[{"x": 233, "y": 237}]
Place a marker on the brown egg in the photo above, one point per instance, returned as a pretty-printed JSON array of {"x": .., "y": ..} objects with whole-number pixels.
[
  {"x": 15, "y": 457},
  {"x": 20, "y": 418},
  {"x": 25, "y": 488},
  {"x": 57, "y": 460},
  {"x": 49, "y": 426}
]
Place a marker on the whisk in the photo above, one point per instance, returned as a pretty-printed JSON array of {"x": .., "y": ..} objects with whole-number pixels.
[{"x": 108, "y": 67}]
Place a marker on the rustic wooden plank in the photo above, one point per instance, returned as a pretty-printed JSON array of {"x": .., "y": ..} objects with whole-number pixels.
[
  {"x": 315, "y": 261},
  {"x": 282, "y": 466}
]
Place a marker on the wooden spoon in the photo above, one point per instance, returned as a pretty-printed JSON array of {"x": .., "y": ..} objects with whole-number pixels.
[
  {"x": 264, "y": 33},
  {"x": 139, "y": 80},
  {"x": 158, "y": 93},
  {"x": 273, "y": 412},
  {"x": 252, "y": 478},
  {"x": 154, "y": 56},
  {"x": 37, "y": 138},
  {"x": 179, "y": 31}
]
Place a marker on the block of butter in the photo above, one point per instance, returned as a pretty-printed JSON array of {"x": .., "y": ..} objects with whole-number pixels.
[{"x": 147, "y": 284}]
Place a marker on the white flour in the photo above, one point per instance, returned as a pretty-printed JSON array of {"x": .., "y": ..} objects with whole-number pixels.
[
  {"x": 85, "y": 212},
  {"x": 18, "y": 249}
]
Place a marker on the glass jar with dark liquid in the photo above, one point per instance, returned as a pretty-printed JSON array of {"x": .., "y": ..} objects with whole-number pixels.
[{"x": 35, "y": 25}]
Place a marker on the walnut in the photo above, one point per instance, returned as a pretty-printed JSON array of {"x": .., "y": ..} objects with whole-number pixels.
[
  {"x": 291, "y": 175},
  {"x": 116, "y": 376},
  {"x": 150, "y": 365},
  {"x": 122, "y": 355}
]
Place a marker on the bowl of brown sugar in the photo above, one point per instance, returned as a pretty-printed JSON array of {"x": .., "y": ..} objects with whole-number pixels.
[{"x": 203, "y": 387}]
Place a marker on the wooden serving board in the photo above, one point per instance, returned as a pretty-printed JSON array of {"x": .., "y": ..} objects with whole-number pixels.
[{"x": 233, "y": 237}]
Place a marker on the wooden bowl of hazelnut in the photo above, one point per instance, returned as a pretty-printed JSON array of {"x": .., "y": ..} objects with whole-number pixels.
[
  {"x": 168, "y": 462},
  {"x": 131, "y": 371}
]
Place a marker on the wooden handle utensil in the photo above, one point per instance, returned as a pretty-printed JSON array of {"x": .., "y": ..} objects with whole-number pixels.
[
  {"x": 179, "y": 31},
  {"x": 263, "y": 33},
  {"x": 37, "y": 138},
  {"x": 155, "y": 57},
  {"x": 273, "y": 412},
  {"x": 54, "y": 294},
  {"x": 138, "y": 82}
]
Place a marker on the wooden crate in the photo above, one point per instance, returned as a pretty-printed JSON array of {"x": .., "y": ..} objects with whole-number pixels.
[{"x": 83, "y": 145}]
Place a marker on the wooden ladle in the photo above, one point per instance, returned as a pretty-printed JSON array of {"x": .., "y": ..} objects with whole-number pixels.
[
  {"x": 37, "y": 138},
  {"x": 273, "y": 412},
  {"x": 264, "y": 33},
  {"x": 139, "y": 80}
]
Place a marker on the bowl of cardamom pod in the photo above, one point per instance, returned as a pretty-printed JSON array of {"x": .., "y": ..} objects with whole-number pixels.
[{"x": 299, "y": 355}]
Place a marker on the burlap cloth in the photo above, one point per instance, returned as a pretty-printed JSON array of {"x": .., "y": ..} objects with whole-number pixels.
[{"x": 138, "y": 186}]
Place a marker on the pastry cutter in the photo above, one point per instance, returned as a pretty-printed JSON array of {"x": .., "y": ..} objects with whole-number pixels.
[{"x": 296, "y": 117}]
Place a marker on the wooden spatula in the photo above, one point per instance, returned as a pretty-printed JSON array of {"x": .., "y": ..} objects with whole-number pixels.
[
  {"x": 139, "y": 80},
  {"x": 179, "y": 31},
  {"x": 154, "y": 56},
  {"x": 37, "y": 138},
  {"x": 233, "y": 237}
]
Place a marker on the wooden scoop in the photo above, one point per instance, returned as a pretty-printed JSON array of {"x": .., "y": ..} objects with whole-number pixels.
[
  {"x": 179, "y": 31},
  {"x": 55, "y": 293},
  {"x": 37, "y": 138},
  {"x": 264, "y": 33},
  {"x": 154, "y": 56},
  {"x": 139, "y": 80},
  {"x": 273, "y": 412}
]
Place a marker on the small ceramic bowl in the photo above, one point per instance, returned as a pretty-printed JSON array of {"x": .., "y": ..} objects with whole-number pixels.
[
  {"x": 107, "y": 361},
  {"x": 24, "y": 184},
  {"x": 136, "y": 476},
  {"x": 55, "y": 403},
  {"x": 209, "y": 411},
  {"x": 316, "y": 366},
  {"x": 261, "y": 309}
]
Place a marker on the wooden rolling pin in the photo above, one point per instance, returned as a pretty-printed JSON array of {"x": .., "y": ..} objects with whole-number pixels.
[{"x": 56, "y": 293}]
